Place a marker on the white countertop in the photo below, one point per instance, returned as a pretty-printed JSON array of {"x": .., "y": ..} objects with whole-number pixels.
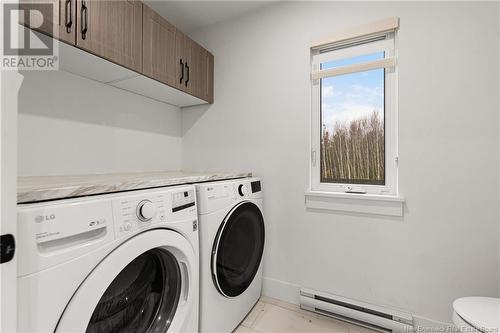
[{"x": 33, "y": 189}]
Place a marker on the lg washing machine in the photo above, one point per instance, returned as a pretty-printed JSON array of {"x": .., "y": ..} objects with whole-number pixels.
[{"x": 125, "y": 262}]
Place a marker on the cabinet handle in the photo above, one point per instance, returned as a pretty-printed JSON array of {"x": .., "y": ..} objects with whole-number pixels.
[
  {"x": 187, "y": 68},
  {"x": 68, "y": 12},
  {"x": 182, "y": 71},
  {"x": 84, "y": 19}
]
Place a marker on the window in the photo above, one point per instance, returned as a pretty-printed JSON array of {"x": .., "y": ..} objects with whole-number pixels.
[{"x": 354, "y": 125}]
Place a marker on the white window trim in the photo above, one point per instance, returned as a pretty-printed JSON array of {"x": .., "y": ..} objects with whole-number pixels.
[
  {"x": 334, "y": 196},
  {"x": 355, "y": 203}
]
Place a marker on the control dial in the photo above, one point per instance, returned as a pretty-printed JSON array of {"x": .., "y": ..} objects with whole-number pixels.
[
  {"x": 242, "y": 190},
  {"x": 146, "y": 210}
]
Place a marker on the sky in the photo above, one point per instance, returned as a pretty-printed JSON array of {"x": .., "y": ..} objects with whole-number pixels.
[{"x": 352, "y": 96}]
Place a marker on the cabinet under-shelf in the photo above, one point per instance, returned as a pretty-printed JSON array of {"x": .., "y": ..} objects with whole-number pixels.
[{"x": 81, "y": 63}]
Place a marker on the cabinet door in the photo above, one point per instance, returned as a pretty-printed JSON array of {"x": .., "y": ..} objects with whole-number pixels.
[
  {"x": 158, "y": 44},
  {"x": 58, "y": 21},
  {"x": 201, "y": 76},
  {"x": 112, "y": 30},
  {"x": 205, "y": 87},
  {"x": 195, "y": 73},
  {"x": 199, "y": 70}
]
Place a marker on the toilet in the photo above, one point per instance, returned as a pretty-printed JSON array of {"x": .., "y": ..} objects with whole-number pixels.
[{"x": 477, "y": 314}]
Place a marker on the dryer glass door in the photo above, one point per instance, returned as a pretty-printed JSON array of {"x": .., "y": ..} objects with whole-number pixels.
[
  {"x": 142, "y": 298},
  {"x": 238, "y": 249}
]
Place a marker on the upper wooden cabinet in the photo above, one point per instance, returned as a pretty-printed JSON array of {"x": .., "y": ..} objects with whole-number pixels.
[
  {"x": 158, "y": 44},
  {"x": 196, "y": 68},
  {"x": 112, "y": 30},
  {"x": 58, "y": 21},
  {"x": 131, "y": 34},
  {"x": 172, "y": 57},
  {"x": 202, "y": 73}
]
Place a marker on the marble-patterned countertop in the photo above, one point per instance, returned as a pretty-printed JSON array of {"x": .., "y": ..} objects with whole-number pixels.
[{"x": 33, "y": 189}]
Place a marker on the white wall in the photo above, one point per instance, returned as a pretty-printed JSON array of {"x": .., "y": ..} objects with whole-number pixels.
[
  {"x": 72, "y": 125},
  {"x": 498, "y": 114},
  {"x": 10, "y": 82},
  {"x": 446, "y": 246}
]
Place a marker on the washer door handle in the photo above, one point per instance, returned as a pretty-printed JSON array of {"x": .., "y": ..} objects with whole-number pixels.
[{"x": 185, "y": 281}]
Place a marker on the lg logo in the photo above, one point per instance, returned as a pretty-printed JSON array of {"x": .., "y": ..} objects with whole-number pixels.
[{"x": 41, "y": 218}]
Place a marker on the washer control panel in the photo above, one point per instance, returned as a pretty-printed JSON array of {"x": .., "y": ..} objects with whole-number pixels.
[
  {"x": 134, "y": 212},
  {"x": 54, "y": 232},
  {"x": 145, "y": 210}
]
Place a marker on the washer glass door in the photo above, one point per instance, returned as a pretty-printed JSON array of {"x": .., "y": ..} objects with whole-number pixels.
[
  {"x": 143, "y": 297},
  {"x": 238, "y": 249}
]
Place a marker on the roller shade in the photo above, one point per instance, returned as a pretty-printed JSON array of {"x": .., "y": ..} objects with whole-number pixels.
[
  {"x": 368, "y": 30},
  {"x": 366, "y": 66},
  {"x": 368, "y": 39}
]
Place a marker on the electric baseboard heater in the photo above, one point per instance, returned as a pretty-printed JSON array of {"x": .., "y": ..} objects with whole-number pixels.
[{"x": 359, "y": 313}]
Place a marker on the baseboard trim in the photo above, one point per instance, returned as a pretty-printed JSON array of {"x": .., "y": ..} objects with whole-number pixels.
[
  {"x": 280, "y": 290},
  {"x": 422, "y": 324}
]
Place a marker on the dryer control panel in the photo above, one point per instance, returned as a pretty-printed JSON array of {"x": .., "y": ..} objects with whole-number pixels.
[{"x": 217, "y": 195}]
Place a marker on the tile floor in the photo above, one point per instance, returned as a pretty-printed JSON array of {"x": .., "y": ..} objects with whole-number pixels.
[{"x": 273, "y": 316}]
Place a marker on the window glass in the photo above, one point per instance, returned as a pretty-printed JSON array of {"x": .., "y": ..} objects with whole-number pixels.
[
  {"x": 352, "y": 124},
  {"x": 353, "y": 60},
  {"x": 354, "y": 116}
]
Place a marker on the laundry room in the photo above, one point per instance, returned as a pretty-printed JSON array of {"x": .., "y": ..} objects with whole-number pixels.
[{"x": 250, "y": 166}]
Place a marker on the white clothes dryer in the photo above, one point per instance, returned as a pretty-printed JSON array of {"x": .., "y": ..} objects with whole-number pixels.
[{"x": 232, "y": 235}]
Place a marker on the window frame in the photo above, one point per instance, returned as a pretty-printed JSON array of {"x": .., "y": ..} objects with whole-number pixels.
[{"x": 363, "y": 46}]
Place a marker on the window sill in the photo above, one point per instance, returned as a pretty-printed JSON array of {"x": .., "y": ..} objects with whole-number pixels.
[{"x": 355, "y": 203}]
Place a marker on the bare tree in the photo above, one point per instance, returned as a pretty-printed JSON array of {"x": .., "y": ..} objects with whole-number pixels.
[{"x": 354, "y": 152}]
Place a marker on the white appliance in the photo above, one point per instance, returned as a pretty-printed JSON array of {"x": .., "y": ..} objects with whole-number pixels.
[
  {"x": 232, "y": 236},
  {"x": 477, "y": 314},
  {"x": 124, "y": 262}
]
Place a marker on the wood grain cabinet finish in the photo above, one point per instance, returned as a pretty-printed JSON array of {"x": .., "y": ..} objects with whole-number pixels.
[
  {"x": 133, "y": 35},
  {"x": 159, "y": 53},
  {"x": 58, "y": 21},
  {"x": 112, "y": 30},
  {"x": 171, "y": 57},
  {"x": 202, "y": 73},
  {"x": 183, "y": 58},
  {"x": 205, "y": 87},
  {"x": 198, "y": 68}
]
